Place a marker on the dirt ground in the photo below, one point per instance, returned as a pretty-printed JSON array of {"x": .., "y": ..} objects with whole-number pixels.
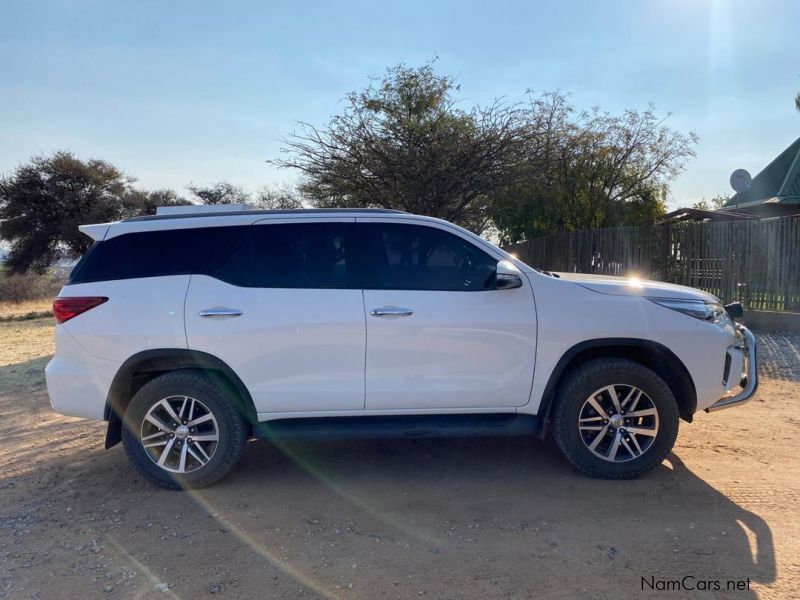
[{"x": 397, "y": 519}]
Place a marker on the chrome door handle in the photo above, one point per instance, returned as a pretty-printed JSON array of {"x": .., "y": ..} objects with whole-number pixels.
[
  {"x": 391, "y": 311},
  {"x": 221, "y": 312}
]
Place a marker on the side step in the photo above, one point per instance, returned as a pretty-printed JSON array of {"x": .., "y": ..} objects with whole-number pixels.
[{"x": 401, "y": 426}]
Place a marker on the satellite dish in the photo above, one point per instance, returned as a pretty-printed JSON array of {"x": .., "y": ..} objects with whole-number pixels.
[{"x": 740, "y": 180}]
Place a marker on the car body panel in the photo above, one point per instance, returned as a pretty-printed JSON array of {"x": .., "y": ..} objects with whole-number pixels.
[
  {"x": 141, "y": 314},
  {"x": 570, "y": 313},
  {"x": 634, "y": 286},
  {"x": 457, "y": 349},
  {"x": 294, "y": 349}
]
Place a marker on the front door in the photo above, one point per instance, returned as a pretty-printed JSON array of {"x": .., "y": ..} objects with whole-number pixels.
[{"x": 438, "y": 334}]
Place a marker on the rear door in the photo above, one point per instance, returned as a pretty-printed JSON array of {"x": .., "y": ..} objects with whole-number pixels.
[
  {"x": 438, "y": 334},
  {"x": 284, "y": 312}
]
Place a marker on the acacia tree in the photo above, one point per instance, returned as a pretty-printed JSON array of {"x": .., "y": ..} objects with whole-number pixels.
[
  {"x": 590, "y": 169},
  {"x": 220, "y": 192},
  {"x": 145, "y": 202},
  {"x": 403, "y": 143},
  {"x": 276, "y": 198},
  {"x": 266, "y": 198},
  {"x": 43, "y": 202}
]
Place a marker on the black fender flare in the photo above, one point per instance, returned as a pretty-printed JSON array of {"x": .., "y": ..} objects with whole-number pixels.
[
  {"x": 161, "y": 360},
  {"x": 594, "y": 348}
]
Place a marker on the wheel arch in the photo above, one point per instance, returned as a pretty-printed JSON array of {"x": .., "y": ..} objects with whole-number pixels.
[
  {"x": 648, "y": 353},
  {"x": 149, "y": 364}
]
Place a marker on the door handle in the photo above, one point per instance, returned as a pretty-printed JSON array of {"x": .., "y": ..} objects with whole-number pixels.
[
  {"x": 391, "y": 311},
  {"x": 220, "y": 312}
]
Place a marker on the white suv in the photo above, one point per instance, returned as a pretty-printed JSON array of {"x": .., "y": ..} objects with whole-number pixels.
[{"x": 198, "y": 328}]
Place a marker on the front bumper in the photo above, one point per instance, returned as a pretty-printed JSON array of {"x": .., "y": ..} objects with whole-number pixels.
[{"x": 745, "y": 351}]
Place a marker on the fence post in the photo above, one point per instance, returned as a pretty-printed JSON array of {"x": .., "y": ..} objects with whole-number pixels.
[{"x": 665, "y": 251}]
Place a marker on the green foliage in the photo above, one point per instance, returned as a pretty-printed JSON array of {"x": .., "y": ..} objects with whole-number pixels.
[
  {"x": 266, "y": 198},
  {"x": 715, "y": 203},
  {"x": 403, "y": 143},
  {"x": 145, "y": 202},
  {"x": 525, "y": 169},
  {"x": 43, "y": 202},
  {"x": 221, "y": 192},
  {"x": 589, "y": 170}
]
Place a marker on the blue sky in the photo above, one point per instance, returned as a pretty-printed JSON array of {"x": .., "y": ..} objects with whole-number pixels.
[{"x": 176, "y": 92}]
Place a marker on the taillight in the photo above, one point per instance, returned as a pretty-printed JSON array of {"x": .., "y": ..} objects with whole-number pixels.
[{"x": 66, "y": 308}]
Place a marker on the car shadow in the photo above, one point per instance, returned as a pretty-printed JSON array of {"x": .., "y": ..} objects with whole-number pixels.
[{"x": 661, "y": 528}]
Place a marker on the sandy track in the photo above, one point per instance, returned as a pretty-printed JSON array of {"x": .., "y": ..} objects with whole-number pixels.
[{"x": 393, "y": 519}]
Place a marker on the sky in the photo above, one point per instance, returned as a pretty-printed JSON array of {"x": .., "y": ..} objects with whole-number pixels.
[{"x": 180, "y": 92}]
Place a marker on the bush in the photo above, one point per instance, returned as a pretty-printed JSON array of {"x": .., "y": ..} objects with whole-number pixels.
[{"x": 28, "y": 286}]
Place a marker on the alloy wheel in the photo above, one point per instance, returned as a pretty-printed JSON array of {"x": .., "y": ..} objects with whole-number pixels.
[
  {"x": 618, "y": 423},
  {"x": 180, "y": 434}
]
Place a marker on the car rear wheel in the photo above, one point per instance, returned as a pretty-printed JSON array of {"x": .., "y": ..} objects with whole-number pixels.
[
  {"x": 181, "y": 430},
  {"x": 615, "y": 419}
]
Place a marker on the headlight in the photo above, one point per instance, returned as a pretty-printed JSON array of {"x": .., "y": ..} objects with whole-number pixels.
[{"x": 713, "y": 312}]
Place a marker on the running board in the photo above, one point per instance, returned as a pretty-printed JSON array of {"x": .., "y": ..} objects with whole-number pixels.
[{"x": 401, "y": 426}]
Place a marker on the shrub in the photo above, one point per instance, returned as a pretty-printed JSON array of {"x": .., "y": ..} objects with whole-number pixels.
[{"x": 28, "y": 286}]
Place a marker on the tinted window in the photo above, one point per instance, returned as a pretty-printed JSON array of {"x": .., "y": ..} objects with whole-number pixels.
[
  {"x": 413, "y": 257},
  {"x": 154, "y": 253},
  {"x": 294, "y": 255}
]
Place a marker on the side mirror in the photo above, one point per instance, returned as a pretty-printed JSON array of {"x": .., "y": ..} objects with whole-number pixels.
[
  {"x": 735, "y": 311},
  {"x": 508, "y": 276}
]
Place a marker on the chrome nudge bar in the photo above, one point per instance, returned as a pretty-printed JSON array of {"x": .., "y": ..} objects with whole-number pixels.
[{"x": 750, "y": 375}]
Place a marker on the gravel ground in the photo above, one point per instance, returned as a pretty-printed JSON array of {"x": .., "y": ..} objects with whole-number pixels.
[
  {"x": 498, "y": 518},
  {"x": 779, "y": 355}
]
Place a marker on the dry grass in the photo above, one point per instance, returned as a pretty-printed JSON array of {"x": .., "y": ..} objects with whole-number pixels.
[
  {"x": 12, "y": 309},
  {"x": 22, "y": 341}
]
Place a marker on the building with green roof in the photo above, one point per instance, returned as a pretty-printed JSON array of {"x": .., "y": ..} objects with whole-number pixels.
[{"x": 775, "y": 191}]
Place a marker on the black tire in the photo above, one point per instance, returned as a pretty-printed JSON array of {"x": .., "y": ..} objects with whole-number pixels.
[
  {"x": 582, "y": 383},
  {"x": 231, "y": 426}
]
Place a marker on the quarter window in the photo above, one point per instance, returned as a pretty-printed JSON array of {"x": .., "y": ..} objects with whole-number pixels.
[
  {"x": 154, "y": 253},
  {"x": 414, "y": 257}
]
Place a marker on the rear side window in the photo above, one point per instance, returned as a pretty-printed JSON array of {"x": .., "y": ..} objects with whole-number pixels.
[
  {"x": 154, "y": 253},
  {"x": 292, "y": 255},
  {"x": 415, "y": 257}
]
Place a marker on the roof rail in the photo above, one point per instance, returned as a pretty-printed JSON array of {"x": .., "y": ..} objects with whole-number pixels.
[
  {"x": 227, "y": 211},
  {"x": 191, "y": 209}
]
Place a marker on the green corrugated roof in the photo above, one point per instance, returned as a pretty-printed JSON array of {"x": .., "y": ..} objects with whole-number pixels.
[{"x": 778, "y": 182}]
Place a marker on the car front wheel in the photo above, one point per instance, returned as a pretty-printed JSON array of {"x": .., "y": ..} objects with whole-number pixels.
[{"x": 615, "y": 419}]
